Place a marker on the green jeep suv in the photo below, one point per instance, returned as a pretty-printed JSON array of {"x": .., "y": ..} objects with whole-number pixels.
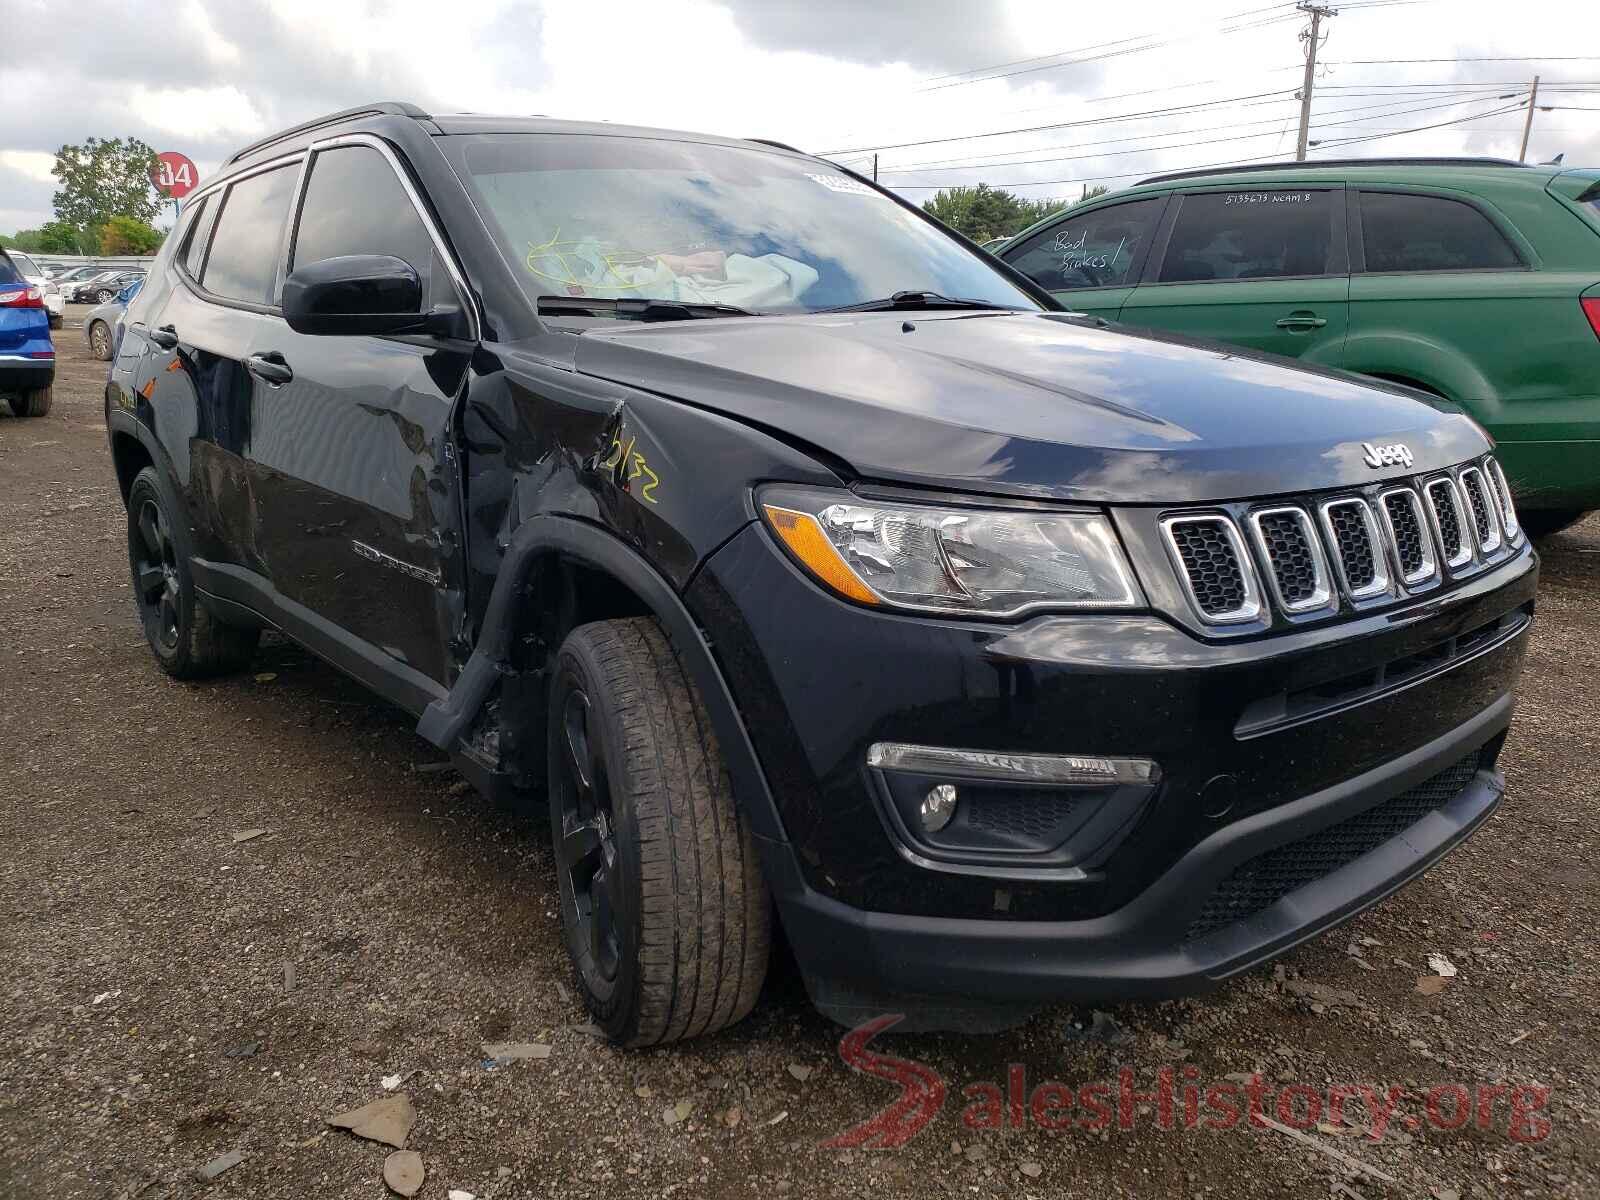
[{"x": 1477, "y": 280}]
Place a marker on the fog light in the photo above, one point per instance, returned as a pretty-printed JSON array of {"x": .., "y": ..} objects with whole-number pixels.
[{"x": 938, "y": 806}]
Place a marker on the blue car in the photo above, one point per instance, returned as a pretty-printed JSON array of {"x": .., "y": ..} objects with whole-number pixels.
[{"x": 27, "y": 356}]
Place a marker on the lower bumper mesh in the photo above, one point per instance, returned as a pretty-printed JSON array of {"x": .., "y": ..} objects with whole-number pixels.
[{"x": 1268, "y": 878}]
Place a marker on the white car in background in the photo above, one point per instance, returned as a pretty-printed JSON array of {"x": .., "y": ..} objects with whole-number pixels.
[{"x": 54, "y": 302}]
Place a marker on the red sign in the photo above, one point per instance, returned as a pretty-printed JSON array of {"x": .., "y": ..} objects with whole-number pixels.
[{"x": 174, "y": 175}]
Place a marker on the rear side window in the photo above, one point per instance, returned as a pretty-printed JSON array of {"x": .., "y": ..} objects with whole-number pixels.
[
  {"x": 8, "y": 273},
  {"x": 25, "y": 264},
  {"x": 1098, "y": 249},
  {"x": 243, "y": 263},
  {"x": 194, "y": 243},
  {"x": 1429, "y": 233},
  {"x": 355, "y": 204},
  {"x": 1252, "y": 235}
]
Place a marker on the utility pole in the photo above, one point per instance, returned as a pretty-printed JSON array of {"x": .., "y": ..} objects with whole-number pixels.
[
  {"x": 874, "y": 168},
  {"x": 1312, "y": 37},
  {"x": 1527, "y": 125}
]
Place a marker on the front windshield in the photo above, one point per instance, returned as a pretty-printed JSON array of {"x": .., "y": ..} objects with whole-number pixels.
[{"x": 640, "y": 218}]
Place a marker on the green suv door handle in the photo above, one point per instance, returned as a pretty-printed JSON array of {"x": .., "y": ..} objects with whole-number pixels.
[{"x": 1302, "y": 320}]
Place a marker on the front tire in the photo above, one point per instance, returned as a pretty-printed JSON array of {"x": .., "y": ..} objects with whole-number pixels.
[
  {"x": 663, "y": 908},
  {"x": 189, "y": 642},
  {"x": 103, "y": 296},
  {"x": 32, "y": 404}
]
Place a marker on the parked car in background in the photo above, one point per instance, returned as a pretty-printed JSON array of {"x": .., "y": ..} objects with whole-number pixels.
[
  {"x": 1475, "y": 280},
  {"x": 102, "y": 288},
  {"x": 54, "y": 304},
  {"x": 102, "y": 328},
  {"x": 27, "y": 356},
  {"x": 67, "y": 278}
]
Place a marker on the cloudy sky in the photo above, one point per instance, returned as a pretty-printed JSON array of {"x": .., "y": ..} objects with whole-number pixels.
[{"x": 1038, "y": 95}]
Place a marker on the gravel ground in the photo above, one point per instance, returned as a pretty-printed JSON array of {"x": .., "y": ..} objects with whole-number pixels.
[{"x": 172, "y": 993}]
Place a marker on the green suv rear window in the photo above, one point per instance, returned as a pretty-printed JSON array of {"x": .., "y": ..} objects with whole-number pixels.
[{"x": 1404, "y": 232}]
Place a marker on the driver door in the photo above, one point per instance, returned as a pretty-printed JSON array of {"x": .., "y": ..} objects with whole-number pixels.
[{"x": 1090, "y": 262}]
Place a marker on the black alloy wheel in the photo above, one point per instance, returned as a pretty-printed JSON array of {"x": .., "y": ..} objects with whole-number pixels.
[
  {"x": 587, "y": 846},
  {"x": 155, "y": 574}
]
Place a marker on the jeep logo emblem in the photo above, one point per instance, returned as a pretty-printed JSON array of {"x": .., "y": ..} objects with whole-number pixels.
[{"x": 1387, "y": 456}]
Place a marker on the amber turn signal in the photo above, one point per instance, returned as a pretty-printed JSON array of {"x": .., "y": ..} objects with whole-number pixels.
[{"x": 805, "y": 540}]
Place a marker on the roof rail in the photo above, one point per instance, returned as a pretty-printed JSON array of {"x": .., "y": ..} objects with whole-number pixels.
[
  {"x": 1332, "y": 162},
  {"x": 776, "y": 145},
  {"x": 393, "y": 108}
]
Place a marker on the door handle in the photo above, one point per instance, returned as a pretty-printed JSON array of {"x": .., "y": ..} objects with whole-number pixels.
[
  {"x": 270, "y": 368},
  {"x": 166, "y": 337},
  {"x": 1302, "y": 320}
]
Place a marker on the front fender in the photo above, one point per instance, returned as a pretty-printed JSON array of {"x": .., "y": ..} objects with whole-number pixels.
[{"x": 445, "y": 720}]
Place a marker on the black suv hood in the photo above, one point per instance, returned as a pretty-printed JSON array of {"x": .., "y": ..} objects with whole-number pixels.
[{"x": 1033, "y": 404}]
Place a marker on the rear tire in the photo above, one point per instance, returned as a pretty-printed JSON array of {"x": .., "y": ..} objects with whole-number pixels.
[
  {"x": 100, "y": 341},
  {"x": 663, "y": 908},
  {"x": 189, "y": 642},
  {"x": 1542, "y": 522},
  {"x": 32, "y": 404},
  {"x": 104, "y": 296}
]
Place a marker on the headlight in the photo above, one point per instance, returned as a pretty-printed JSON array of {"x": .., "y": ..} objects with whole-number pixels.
[{"x": 986, "y": 562}]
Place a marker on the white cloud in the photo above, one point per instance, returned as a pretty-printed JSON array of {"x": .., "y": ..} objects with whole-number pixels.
[
  {"x": 35, "y": 164},
  {"x": 197, "y": 112}
]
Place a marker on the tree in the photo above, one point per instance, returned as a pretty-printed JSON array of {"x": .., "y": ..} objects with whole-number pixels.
[
  {"x": 105, "y": 178},
  {"x": 129, "y": 235},
  {"x": 58, "y": 237},
  {"x": 984, "y": 212},
  {"x": 1089, "y": 193}
]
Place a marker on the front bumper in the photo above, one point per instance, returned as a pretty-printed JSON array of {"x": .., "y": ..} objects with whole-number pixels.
[
  {"x": 1149, "y": 948},
  {"x": 818, "y": 681}
]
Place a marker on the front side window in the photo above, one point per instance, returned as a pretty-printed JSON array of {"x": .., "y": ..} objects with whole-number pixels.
[
  {"x": 1098, "y": 249},
  {"x": 243, "y": 263},
  {"x": 1402, "y": 232},
  {"x": 1275, "y": 234},
  {"x": 630, "y": 217},
  {"x": 356, "y": 205}
]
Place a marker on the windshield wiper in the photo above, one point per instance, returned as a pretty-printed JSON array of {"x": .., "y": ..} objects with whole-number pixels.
[
  {"x": 918, "y": 300},
  {"x": 638, "y": 308}
]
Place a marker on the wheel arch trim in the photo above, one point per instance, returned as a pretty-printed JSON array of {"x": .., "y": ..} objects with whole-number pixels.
[{"x": 445, "y": 720}]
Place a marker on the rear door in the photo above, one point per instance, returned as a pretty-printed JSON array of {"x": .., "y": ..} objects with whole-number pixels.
[
  {"x": 200, "y": 337},
  {"x": 1261, "y": 267},
  {"x": 358, "y": 502},
  {"x": 1089, "y": 261}
]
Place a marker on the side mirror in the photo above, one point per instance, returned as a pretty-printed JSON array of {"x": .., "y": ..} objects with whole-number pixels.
[{"x": 355, "y": 294}]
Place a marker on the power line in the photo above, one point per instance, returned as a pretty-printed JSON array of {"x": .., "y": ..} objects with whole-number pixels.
[
  {"x": 923, "y": 187},
  {"x": 971, "y": 137},
  {"x": 1180, "y": 133},
  {"x": 1149, "y": 41},
  {"x": 1385, "y": 62}
]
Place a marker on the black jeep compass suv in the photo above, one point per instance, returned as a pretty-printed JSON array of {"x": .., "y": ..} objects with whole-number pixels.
[{"x": 813, "y": 566}]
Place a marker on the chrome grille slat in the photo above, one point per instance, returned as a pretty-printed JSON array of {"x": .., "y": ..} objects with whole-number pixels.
[
  {"x": 1502, "y": 491},
  {"x": 1449, "y": 521},
  {"x": 1407, "y": 527},
  {"x": 1355, "y": 549},
  {"x": 1485, "y": 518},
  {"x": 1214, "y": 567},
  {"x": 1297, "y": 568}
]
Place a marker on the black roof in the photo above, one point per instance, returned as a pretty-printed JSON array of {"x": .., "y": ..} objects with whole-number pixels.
[{"x": 1331, "y": 162}]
